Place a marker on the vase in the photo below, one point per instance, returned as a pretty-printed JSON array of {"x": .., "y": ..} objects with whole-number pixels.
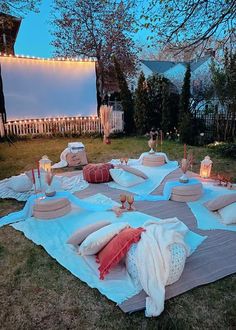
[
  {"x": 152, "y": 145},
  {"x": 184, "y": 178}
]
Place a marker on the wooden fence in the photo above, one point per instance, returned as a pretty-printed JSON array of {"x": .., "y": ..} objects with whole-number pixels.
[{"x": 77, "y": 125}]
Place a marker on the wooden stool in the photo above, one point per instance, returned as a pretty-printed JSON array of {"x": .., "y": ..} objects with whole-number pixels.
[
  {"x": 186, "y": 192},
  {"x": 153, "y": 160},
  {"x": 48, "y": 208}
]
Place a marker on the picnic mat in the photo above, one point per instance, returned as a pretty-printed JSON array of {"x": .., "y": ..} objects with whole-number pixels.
[{"x": 53, "y": 234}]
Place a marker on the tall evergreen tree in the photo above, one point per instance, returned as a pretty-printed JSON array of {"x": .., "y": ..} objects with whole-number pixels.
[
  {"x": 141, "y": 115},
  {"x": 126, "y": 98},
  {"x": 185, "y": 118}
]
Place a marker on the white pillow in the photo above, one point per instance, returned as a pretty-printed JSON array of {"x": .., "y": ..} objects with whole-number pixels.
[
  {"x": 228, "y": 214},
  {"x": 125, "y": 179},
  {"x": 98, "y": 239},
  {"x": 20, "y": 183}
]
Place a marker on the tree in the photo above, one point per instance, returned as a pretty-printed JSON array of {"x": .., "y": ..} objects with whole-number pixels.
[
  {"x": 142, "y": 106},
  {"x": 19, "y": 7},
  {"x": 99, "y": 29},
  {"x": 190, "y": 24},
  {"x": 224, "y": 86},
  {"x": 185, "y": 118},
  {"x": 126, "y": 98}
]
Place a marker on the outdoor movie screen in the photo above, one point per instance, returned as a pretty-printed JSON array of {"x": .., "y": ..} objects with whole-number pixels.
[{"x": 36, "y": 88}]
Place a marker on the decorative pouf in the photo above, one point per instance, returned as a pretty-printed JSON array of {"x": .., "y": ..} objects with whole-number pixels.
[
  {"x": 153, "y": 160},
  {"x": 48, "y": 208},
  {"x": 97, "y": 173},
  {"x": 76, "y": 159},
  {"x": 186, "y": 192},
  {"x": 20, "y": 183}
]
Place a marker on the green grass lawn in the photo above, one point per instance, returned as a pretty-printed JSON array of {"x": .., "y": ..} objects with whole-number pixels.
[{"x": 37, "y": 293}]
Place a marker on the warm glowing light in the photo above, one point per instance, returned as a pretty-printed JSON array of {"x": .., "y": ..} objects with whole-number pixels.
[
  {"x": 205, "y": 169},
  {"x": 45, "y": 163}
]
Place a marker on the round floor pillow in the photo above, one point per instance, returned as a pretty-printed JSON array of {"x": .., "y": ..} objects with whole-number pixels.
[{"x": 97, "y": 173}]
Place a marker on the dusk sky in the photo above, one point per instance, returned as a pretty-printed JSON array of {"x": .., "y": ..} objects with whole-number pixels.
[{"x": 34, "y": 37}]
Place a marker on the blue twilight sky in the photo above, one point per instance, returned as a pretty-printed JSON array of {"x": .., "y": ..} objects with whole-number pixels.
[{"x": 34, "y": 37}]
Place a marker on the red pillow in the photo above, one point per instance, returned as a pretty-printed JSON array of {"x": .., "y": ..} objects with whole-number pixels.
[{"x": 114, "y": 251}]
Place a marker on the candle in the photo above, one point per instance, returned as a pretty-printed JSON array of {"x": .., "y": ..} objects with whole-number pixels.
[
  {"x": 33, "y": 177},
  {"x": 38, "y": 167},
  {"x": 185, "y": 151}
]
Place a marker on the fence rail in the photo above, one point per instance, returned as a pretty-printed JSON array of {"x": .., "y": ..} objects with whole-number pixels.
[{"x": 78, "y": 125}]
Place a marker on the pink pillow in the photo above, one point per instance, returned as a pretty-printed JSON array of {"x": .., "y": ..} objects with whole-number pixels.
[
  {"x": 79, "y": 236},
  {"x": 133, "y": 170},
  {"x": 220, "y": 202},
  {"x": 115, "y": 250}
]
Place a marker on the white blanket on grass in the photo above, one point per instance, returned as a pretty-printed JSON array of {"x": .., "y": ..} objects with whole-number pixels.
[
  {"x": 153, "y": 259},
  {"x": 53, "y": 234},
  {"x": 155, "y": 174},
  {"x": 60, "y": 183}
]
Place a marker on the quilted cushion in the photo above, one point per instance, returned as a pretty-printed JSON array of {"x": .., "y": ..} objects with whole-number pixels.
[
  {"x": 188, "y": 189},
  {"x": 153, "y": 160},
  {"x": 97, "y": 173},
  {"x": 185, "y": 199},
  {"x": 46, "y": 209}
]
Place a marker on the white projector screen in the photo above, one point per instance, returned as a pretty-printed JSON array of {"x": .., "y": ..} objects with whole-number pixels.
[{"x": 45, "y": 88}]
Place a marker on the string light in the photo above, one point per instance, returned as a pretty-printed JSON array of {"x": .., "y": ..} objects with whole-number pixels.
[{"x": 67, "y": 59}]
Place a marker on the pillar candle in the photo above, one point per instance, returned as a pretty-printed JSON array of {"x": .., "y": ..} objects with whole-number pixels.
[
  {"x": 33, "y": 177},
  {"x": 38, "y": 170},
  {"x": 185, "y": 151}
]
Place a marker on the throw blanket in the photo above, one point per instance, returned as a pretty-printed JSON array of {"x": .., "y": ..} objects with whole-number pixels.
[
  {"x": 153, "y": 259},
  {"x": 53, "y": 234},
  {"x": 60, "y": 183},
  {"x": 155, "y": 175}
]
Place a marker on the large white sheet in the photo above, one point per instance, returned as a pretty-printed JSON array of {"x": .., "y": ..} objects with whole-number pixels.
[
  {"x": 53, "y": 234},
  {"x": 37, "y": 88}
]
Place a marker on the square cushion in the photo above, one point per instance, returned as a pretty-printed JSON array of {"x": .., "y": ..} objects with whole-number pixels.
[
  {"x": 228, "y": 214},
  {"x": 117, "y": 248},
  {"x": 133, "y": 170},
  {"x": 220, "y": 202},
  {"x": 76, "y": 159},
  {"x": 124, "y": 178},
  {"x": 79, "y": 235},
  {"x": 97, "y": 240}
]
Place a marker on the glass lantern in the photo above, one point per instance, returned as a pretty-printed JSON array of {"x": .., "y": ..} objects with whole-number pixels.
[
  {"x": 45, "y": 164},
  {"x": 205, "y": 169}
]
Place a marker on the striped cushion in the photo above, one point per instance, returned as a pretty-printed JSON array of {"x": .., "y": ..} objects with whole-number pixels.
[
  {"x": 51, "y": 208},
  {"x": 184, "y": 199},
  {"x": 188, "y": 190},
  {"x": 97, "y": 173}
]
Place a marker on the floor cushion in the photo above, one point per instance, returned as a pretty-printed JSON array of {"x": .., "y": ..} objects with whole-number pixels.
[
  {"x": 186, "y": 193},
  {"x": 220, "y": 202},
  {"x": 228, "y": 214},
  {"x": 153, "y": 160},
  {"x": 48, "y": 208},
  {"x": 97, "y": 173}
]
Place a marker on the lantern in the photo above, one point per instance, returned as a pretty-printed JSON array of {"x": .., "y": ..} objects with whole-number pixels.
[
  {"x": 205, "y": 170},
  {"x": 45, "y": 164}
]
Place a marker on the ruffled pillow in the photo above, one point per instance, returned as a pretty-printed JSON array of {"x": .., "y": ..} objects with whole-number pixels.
[
  {"x": 79, "y": 235},
  {"x": 97, "y": 240},
  {"x": 124, "y": 178},
  {"x": 228, "y": 214},
  {"x": 116, "y": 249}
]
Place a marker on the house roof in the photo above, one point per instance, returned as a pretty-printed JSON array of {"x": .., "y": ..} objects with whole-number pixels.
[{"x": 163, "y": 66}]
